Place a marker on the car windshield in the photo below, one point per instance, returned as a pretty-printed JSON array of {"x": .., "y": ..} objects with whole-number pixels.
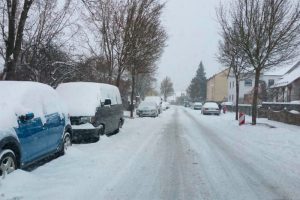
[{"x": 150, "y": 99}]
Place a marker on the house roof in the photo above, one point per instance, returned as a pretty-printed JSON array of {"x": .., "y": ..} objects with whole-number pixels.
[
  {"x": 224, "y": 70},
  {"x": 289, "y": 77},
  {"x": 278, "y": 71}
]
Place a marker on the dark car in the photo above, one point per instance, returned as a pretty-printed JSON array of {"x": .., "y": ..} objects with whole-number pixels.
[
  {"x": 33, "y": 124},
  {"x": 95, "y": 109}
]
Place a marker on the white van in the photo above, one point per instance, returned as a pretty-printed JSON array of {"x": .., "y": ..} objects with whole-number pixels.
[{"x": 94, "y": 108}]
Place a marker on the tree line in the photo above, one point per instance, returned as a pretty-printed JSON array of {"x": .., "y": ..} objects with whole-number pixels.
[{"x": 110, "y": 41}]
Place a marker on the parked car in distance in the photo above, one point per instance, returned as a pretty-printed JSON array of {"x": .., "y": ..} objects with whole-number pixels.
[
  {"x": 210, "y": 108},
  {"x": 147, "y": 109},
  {"x": 197, "y": 105},
  {"x": 164, "y": 105},
  {"x": 157, "y": 100},
  {"x": 94, "y": 108},
  {"x": 34, "y": 124}
]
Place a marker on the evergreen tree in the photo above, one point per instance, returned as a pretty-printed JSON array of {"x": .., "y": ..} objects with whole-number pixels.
[{"x": 197, "y": 87}]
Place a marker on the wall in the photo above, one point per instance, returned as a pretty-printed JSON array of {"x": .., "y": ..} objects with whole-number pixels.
[{"x": 217, "y": 87}]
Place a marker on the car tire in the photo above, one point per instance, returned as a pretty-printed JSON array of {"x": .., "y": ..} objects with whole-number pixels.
[
  {"x": 119, "y": 126},
  {"x": 8, "y": 162},
  {"x": 66, "y": 143}
]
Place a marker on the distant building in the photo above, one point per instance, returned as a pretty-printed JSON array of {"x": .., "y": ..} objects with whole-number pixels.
[
  {"x": 287, "y": 88},
  {"x": 217, "y": 87}
]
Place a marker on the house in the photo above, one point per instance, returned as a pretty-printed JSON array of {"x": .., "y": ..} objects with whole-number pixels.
[
  {"x": 217, "y": 87},
  {"x": 287, "y": 88},
  {"x": 246, "y": 84}
]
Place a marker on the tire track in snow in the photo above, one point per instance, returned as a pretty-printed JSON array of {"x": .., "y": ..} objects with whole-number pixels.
[{"x": 254, "y": 177}]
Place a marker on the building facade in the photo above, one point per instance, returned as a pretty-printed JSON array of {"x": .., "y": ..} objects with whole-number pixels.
[
  {"x": 217, "y": 87},
  {"x": 246, "y": 84}
]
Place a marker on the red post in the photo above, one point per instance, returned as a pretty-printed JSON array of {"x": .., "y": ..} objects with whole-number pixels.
[{"x": 241, "y": 118}]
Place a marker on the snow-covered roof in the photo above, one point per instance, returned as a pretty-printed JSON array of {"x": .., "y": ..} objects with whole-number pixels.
[
  {"x": 289, "y": 77},
  {"x": 278, "y": 71}
]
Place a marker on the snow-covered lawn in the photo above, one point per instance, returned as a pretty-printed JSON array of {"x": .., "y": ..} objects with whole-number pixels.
[{"x": 90, "y": 171}]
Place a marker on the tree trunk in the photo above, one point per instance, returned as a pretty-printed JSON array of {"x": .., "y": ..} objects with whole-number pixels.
[
  {"x": 237, "y": 94},
  {"x": 255, "y": 95},
  {"x": 132, "y": 93},
  {"x": 118, "y": 79}
]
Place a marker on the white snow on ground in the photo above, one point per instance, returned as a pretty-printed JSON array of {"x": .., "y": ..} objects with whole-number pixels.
[
  {"x": 86, "y": 168},
  {"x": 231, "y": 162}
]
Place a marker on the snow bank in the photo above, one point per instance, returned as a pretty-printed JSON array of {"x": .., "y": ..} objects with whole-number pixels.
[{"x": 294, "y": 112}]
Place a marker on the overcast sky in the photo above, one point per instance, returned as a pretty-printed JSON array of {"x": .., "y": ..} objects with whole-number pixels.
[{"x": 193, "y": 36}]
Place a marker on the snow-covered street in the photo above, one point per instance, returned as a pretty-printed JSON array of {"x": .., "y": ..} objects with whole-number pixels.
[{"x": 179, "y": 155}]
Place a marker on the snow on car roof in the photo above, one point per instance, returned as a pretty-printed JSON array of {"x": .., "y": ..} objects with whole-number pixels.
[
  {"x": 22, "y": 97},
  {"x": 211, "y": 105},
  {"x": 83, "y": 98}
]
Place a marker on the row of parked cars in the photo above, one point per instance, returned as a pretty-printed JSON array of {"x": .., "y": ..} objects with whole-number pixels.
[
  {"x": 37, "y": 121},
  {"x": 152, "y": 106}
]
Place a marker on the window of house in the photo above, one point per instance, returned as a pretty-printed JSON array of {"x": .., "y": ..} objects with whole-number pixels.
[
  {"x": 270, "y": 82},
  {"x": 230, "y": 84},
  {"x": 248, "y": 82}
]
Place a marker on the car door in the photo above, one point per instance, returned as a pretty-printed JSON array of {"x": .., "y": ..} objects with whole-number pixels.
[
  {"x": 31, "y": 132},
  {"x": 54, "y": 121}
]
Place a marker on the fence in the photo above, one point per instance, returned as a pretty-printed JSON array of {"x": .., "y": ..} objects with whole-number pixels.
[{"x": 281, "y": 112}]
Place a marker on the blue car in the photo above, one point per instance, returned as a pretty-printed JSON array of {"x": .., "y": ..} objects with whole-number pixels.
[{"x": 33, "y": 124}]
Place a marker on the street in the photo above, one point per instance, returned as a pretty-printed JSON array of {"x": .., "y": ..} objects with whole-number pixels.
[{"x": 179, "y": 155}]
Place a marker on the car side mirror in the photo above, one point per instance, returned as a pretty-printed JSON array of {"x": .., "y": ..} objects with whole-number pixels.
[
  {"x": 27, "y": 117},
  {"x": 107, "y": 102}
]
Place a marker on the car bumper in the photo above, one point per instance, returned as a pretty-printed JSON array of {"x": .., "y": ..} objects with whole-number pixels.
[
  {"x": 148, "y": 114},
  {"x": 81, "y": 133},
  {"x": 212, "y": 112}
]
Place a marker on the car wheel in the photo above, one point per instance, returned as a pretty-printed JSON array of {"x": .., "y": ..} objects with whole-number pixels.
[
  {"x": 119, "y": 126},
  {"x": 67, "y": 142},
  {"x": 7, "y": 162}
]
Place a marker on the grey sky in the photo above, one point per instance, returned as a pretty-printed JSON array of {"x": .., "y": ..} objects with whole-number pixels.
[{"x": 193, "y": 36}]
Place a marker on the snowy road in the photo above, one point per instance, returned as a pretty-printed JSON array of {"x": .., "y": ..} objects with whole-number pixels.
[{"x": 180, "y": 155}]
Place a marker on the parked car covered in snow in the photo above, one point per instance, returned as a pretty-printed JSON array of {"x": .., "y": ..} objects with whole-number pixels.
[
  {"x": 164, "y": 105},
  {"x": 197, "y": 105},
  {"x": 33, "y": 124},
  {"x": 147, "y": 109},
  {"x": 94, "y": 108},
  {"x": 211, "y": 108},
  {"x": 157, "y": 100}
]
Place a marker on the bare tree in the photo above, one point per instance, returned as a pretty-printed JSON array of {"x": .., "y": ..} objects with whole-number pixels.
[
  {"x": 12, "y": 24},
  {"x": 268, "y": 34},
  {"x": 144, "y": 84},
  {"x": 44, "y": 56},
  {"x": 166, "y": 88},
  {"x": 108, "y": 20},
  {"x": 230, "y": 55},
  {"x": 145, "y": 40}
]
